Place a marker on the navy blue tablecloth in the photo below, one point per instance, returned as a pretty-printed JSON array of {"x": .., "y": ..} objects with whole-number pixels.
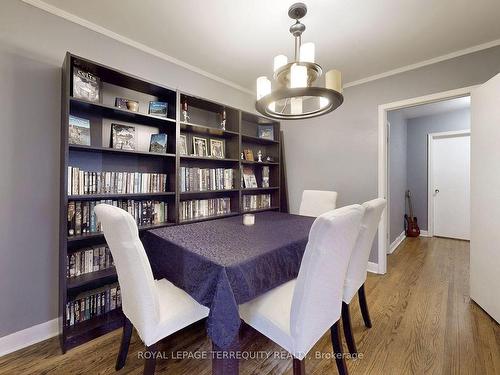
[{"x": 222, "y": 263}]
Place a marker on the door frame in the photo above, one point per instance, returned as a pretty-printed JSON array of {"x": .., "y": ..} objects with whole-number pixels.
[
  {"x": 430, "y": 180},
  {"x": 383, "y": 182}
]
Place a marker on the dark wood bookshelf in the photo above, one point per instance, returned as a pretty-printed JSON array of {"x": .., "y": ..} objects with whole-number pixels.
[{"x": 241, "y": 132}]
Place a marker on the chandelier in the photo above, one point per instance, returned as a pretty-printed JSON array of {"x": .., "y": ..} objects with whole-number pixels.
[{"x": 294, "y": 96}]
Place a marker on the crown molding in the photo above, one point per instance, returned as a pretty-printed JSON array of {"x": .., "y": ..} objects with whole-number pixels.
[
  {"x": 421, "y": 64},
  {"x": 120, "y": 38}
]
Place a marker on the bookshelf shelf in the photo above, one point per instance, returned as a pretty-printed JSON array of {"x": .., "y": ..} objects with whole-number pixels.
[
  {"x": 100, "y": 277},
  {"x": 120, "y": 196},
  {"x": 241, "y": 133},
  {"x": 252, "y": 139},
  {"x": 208, "y": 158},
  {"x": 116, "y": 151},
  {"x": 260, "y": 210},
  {"x": 112, "y": 112},
  {"x": 207, "y": 130},
  {"x": 259, "y": 163}
]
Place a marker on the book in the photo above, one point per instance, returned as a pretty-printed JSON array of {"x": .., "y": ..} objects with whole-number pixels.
[
  {"x": 195, "y": 209},
  {"x": 122, "y": 137},
  {"x": 158, "y": 109},
  {"x": 248, "y": 155},
  {"x": 158, "y": 143},
  {"x": 86, "y": 85},
  {"x": 265, "y": 176},
  {"x": 249, "y": 177},
  {"x": 255, "y": 202},
  {"x": 79, "y": 131}
]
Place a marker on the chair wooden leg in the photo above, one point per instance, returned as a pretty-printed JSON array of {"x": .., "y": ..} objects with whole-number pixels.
[
  {"x": 337, "y": 349},
  {"x": 150, "y": 364},
  {"x": 364, "y": 306},
  {"x": 122, "y": 354},
  {"x": 346, "y": 323},
  {"x": 299, "y": 367}
]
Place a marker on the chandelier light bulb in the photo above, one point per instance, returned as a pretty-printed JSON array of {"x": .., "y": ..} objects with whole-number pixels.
[
  {"x": 333, "y": 80},
  {"x": 263, "y": 87},
  {"x": 279, "y": 61},
  {"x": 298, "y": 76},
  {"x": 323, "y": 102},
  {"x": 307, "y": 52}
]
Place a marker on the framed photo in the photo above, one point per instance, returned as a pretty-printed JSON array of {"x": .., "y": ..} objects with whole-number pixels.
[
  {"x": 158, "y": 143},
  {"x": 158, "y": 109},
  {"x": 122, "y": 137},
  {"x": 249, "y": 177},
  {"x": 217, "y": 148},
  {"x": 79, "y": 131},
  {"x": 266, "y": 132},
  {"x": 200, "y": 146},
  {"x": 248, "y": 155},
  {"x": 183, "y": 148}
]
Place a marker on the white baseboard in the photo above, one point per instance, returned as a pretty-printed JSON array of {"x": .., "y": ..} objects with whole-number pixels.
[
  {"x": 372, "y": 267},
  {"x": 28, "y": 336},
  {"x": 396, "y": 242},
  {"x": 424, "y": 233}
]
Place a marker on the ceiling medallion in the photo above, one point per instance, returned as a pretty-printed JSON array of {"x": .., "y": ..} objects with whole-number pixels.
[{"x": 294, "y": 96}]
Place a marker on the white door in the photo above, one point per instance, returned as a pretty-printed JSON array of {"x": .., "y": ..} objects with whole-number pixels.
[
  {"x": 450, "y": 184},
  {"x": 485, "y": 197}
]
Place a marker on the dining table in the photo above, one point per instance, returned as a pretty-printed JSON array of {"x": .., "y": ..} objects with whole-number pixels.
[{"x": 223, "y": 263}]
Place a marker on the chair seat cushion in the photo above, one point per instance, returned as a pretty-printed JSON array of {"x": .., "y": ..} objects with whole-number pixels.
[
  {"x": 270, "y": 314},
  {"x": 177, "y": 310}
]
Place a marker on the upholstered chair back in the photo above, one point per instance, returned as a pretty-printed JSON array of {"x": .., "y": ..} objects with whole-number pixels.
[
  {"x": 356, "y": 272},
  {"x": 317, "y": 202},
  {"x": 317, "y": 299},
  {"x": 139, "y": 297}
]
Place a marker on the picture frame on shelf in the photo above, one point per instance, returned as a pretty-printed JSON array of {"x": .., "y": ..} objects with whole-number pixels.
[
  {"x": 266, "y": 132},
  {"x": 217, "y": 148},
  {"x": 129, "y": 104},
  {"x": 183, "y": 148},
  {"x": 86, "y": 85},
  {"x": 158, "y": 143},
  {"x": 248, "y": 154},
  {"x": 159, "y": 109},
  {"x": 122, "y": 137},
  {"x": 200, "y": 146},
  {"x": 79, "y": 131},
  {"x": 249, "y": 177}
]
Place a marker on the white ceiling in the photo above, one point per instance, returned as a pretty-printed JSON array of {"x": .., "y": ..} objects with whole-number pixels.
[
  {"x": 435, "y": 108},
  {"x": 237, "y": 39}
]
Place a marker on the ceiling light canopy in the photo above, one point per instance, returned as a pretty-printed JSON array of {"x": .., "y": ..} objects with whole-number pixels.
[{"x": 294, "y": 96}]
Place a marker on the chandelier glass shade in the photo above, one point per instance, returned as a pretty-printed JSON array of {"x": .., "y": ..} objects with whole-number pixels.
[{"x": 294, "y": 95}]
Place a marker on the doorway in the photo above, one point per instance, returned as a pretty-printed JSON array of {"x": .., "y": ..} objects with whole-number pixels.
[
  {"x": 383, "y": 162},
  {"x": 449, "y": 184}
]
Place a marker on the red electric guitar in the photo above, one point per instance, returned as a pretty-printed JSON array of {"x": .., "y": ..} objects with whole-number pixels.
[{"x": 411, "y": 226}]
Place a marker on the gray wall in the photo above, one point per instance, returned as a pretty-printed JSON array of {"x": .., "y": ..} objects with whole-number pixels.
[
  {"x": 339, "y": 151},
  {"x": 397, "y": 173},
  {"x": 32, "y": 48},
  {"x": 418, "y": 129}
]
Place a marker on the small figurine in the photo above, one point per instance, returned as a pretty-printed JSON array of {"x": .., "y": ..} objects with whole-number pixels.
[
  {"x": 223, "y": 120},
  {"x": 269, "y": 159},
  {"x": 259, "y": 156},
  {"x": 242, "y": 156},
  {"x": 185, "y": 111}
]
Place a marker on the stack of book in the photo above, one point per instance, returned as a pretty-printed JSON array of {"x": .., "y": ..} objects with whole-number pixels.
[
  {"x": 84, "y": 182},
  {"x": 255, "y": 202},
  {"x": 93, "y": 303},
  {"x": 195, "y": 209},
  {"x": 89, "y": 260},
  {"x": 82, "y": 218},
  {"x": 202, "y": 179}
]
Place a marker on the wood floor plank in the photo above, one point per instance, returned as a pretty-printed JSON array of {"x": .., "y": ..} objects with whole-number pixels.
[{"x": 423, "y": 323}]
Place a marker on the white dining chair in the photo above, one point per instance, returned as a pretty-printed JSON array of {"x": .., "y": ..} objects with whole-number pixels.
[
  {"x": 297, "y": 314},
  {"x": 156, "y": 308},
  {"x": 317, "y": 202},
  {"x": 357, "y": 270}
]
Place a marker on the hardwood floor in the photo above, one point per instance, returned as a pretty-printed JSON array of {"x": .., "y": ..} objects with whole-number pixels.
[{"x": 423, "y": 323}]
